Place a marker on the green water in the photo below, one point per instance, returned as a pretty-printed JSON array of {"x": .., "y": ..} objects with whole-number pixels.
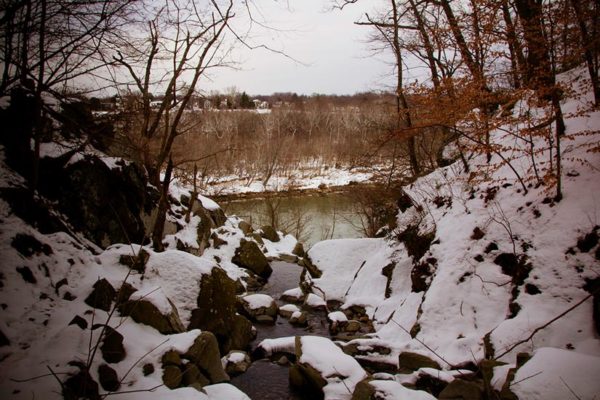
[{"x": 311, "y": 218}]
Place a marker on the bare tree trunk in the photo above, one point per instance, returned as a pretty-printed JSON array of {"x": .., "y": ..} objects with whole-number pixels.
[
  {"x": 587, "y": 41},
  {"x": 163, "y": 206},
  {"x": 517, "y": 59}
]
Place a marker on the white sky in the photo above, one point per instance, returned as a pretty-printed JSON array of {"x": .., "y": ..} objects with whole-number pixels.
[{"x": 337, "y": 57}]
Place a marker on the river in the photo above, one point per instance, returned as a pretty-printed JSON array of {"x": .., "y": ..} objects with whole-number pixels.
[{"x": 309, "y": 217}]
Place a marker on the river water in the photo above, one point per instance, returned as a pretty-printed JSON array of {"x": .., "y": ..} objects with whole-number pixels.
[{"x": 309, "y": 217}]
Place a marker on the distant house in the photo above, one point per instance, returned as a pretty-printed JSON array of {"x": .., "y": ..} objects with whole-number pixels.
[
  {"x": 260, "y": 105},
  {"x": 155, "y": 104}
]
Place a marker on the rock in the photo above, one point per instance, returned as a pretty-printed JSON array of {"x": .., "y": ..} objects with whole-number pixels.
[
  {"x": 257, "y": 305},
  {"x": 269, "y": 233},
  {"x": 408, "y": 361},
  {"x": 108, "y": 378},
  {"x": 245, "y": 227},
  {"x": 193, "y": 376},
  {"x": 144, "y": 312},
  {"x": 363, "y": 390},
  {"x": 205, "y": 354},
  {"x": 112, "y": 346},
  {"x": 288, "y": 310},
  {"x": 283, "y": 360},
  {"x": 460, "y": 389},
  {"x": 477, "y": 233},
  {"x": 236, "y": 362},
  {"x": 4, "y": 340},
  {"x": 311, "y": 268},
  {"x": 217, "y": 312},
  {"x": 79, "y": 321},
  {"x": 136, "y": 262},
  {"x": 171, "y": 357},
  {"x": 102, "y": 295},
  {"x": 299, "y": 318},
  {"x": 82, "y": 189},
  {"x": 289, "y": 258},
  {"x": 241, "y": 333},
  {"x": 257, "y": 238},
  {"x": 352, "y": 326},
  {"x": 516, "y": 267},
  {"x": 249, "y": 256},
  {"x": 172, "y": 376},
  {"x": 125, "y": 293},
  {"x": 148, "y": 369},
  {"x": 27, "y": 274},
  {"x": 298, "y": 250},
  {"x": 80, "y": 386},
  {"x": 265, "y": 319},
  {"x": 217, "y": 241},
  {"x": 28, "y": 245}
]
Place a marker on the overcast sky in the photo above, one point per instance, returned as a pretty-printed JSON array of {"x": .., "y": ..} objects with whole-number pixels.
[{"x": 334, "y": 50}]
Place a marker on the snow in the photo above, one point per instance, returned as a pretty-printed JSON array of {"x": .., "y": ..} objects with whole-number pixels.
[
  {"x": 556, "y": 374},
  {"x": 234, "y": 357},
  {"x": 224, "y": 391},
  {"x": 256, "y": 301},
  {"x": 391, "y": 390},
  {"x": 341, "y": 371},
  {"x": 289, "y": 307},
  {"x": 312, "y": 300},
  {"x": 283, "y": 344},
  {"x": 295, "y": 293},
  {"x": 337, "y": 316}
]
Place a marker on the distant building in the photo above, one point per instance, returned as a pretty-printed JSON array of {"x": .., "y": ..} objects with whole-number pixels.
[{"x": 260, "y": 105}]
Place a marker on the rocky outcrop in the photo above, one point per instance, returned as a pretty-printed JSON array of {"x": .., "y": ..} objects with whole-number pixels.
[
  {"x": 102, "y": 295},
  {"x": 105, "y": 204},
  {"x": 217, "y": 310},
  {"x": 249, "y": 256}
]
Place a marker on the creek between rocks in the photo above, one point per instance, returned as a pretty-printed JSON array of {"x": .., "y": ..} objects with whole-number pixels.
[{"x": 267, "y": 380}]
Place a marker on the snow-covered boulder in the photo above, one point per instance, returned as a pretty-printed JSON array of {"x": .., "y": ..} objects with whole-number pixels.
[
  {"x": 259, "y": 307},
  {"x": 249, "y": 256},
  {"x": 323, "y": 366}
]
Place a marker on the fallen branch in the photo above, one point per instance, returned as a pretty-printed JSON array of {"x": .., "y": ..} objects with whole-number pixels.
[{"x": 539, "y": 328}]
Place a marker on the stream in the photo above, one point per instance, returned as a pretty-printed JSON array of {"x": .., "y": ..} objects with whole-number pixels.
[{"x": 267, "y": 380}]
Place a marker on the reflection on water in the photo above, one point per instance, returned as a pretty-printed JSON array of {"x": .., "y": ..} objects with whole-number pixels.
[
  {"x": 310, "y": 218},
  {"x": 265, "y": 379}
]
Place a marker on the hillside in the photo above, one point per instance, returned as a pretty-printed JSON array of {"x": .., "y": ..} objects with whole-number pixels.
[{"x": 484, "y": 289}]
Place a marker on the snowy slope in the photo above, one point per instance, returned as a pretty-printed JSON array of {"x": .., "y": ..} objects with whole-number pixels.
[{"x": 467, "y": 294}]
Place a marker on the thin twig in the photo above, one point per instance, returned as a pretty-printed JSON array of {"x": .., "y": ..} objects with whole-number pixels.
[{"x": 539, "y": 328}]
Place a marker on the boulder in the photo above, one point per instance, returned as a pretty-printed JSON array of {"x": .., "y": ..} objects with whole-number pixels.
[
  {"x": 288, "y": 310},
  {"x": 136, "y": 262},
  {"x": 249, "y": 256},
  {"x": 172, "y": 376},
  {"x": 460, "y": 389},
  {"x": 204, "y": 352},
  {"x": 269, "y": 233},
  {"x": 236, "y": 362},
  {"x": 245, "y": 227},
  {"x": 112, "y": 347},
  {"x": 311, "y": 268},
  {"x": 145, "y": 312},
  {"x": 364, "y": 391},
  {"x": 102, "y": 295},
  {"x": 288, "y": 258},
  {"x": 299, "y": 318},
  {"x": 192, "y": 376},
  {"x": 408, "y": 361},
  {"x": 217, "y": 312},
  {"x": 299, "y": 250},
  {"x": 108, "y": 377},
  {"x": 257, "y": 305}
]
